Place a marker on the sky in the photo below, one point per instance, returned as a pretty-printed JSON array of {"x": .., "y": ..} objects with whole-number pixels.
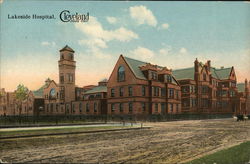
[{"x": 170, "y": 34}]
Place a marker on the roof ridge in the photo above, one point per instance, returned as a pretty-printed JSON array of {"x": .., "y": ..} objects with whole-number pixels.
[
  {"x": 219, "y": 69},
  {"x": 135, "y": 59},
  {"x": 180, "y": 69}
]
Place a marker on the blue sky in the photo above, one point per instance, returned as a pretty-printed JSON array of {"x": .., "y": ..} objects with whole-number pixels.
[{"x": 170, "y": 34}]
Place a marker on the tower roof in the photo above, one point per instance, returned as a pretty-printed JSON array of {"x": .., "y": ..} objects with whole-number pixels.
[{"x": 67, "y": 48}]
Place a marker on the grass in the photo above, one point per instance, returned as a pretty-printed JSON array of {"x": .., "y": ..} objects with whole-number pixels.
[
  {"x": 239, "y": 154},
  {"x": 57, "y": 130}
]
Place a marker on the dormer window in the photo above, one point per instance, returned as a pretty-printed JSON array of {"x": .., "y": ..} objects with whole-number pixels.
[
  {"x": 154, "y": 75},
  {"x": 168, "y": 78},
  {"x": 121, "y": 73}
]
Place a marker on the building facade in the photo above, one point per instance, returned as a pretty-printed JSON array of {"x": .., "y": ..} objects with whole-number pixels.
[
  {"x": 135, "y": 88},
  {"x": 206, "y": 89}
]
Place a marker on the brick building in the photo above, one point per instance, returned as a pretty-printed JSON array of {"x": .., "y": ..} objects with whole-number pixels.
[
  {"x": 206, "y": 89},
  {"x": 137, "y": 87},
  {"x": 65, "y": 98},
  {"x": 7, "y": 103}
]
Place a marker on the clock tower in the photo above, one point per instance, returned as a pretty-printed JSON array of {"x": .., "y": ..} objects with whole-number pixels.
[{"x": 67, "y": 67}]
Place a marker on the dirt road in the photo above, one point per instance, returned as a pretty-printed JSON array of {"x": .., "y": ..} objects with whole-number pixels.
[{"x": 165, "y": 142}]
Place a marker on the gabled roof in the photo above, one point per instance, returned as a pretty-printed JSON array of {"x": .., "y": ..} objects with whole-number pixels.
[
  {"x": 97, "y": 89},
  {"x": 135, "y": 67},
  {"x": 241, "y": 87},
  {"x": 186, "y": 73},
  {"x": 67, "y": 48},
  {"x": 222, "y": 73},
  {"x": 39, "y": 93}
]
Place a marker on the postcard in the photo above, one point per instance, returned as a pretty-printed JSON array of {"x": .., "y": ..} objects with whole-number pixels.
[{"x": 124, "y": 81}]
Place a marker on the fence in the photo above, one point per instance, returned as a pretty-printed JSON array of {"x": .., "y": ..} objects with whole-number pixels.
[{"x": 85, "y": 119}]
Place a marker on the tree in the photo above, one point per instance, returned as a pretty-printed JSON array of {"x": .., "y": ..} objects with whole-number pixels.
[{"x": 21, "y": 92}]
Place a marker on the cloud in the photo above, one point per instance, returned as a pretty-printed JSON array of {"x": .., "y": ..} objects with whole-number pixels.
[
  {"x": 1, "y": 1},
  {"x": 45, "y": 43},
  {"x": 94, "y": 29},
  {"x": 96, "y": 42},
  {"x": 183, "y": 50},
  {"x": 163, "y": 26},
  {"x": 97, "y": 37},
  {"x": 142, "y": 15},
  {"x": 111, "y": 20},
  {"x": 142, "y": 53}
]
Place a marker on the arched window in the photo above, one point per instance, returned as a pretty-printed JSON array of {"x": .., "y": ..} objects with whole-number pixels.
[
  {"x": 71, "y": 56},
  {"x": 121, "y": 73}
]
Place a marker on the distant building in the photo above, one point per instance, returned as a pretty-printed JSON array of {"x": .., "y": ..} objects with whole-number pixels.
[{"x": 206, "y": 89}]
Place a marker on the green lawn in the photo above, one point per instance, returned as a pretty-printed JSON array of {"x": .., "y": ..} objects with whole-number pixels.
[
  {"x": 239, "y": 154},
  {"x": 58, "y": 130}
]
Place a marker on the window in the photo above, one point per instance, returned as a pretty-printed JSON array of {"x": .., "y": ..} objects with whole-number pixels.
[
  {"x": 61, "y": 109},
  {"x": 185, "y": 89},
  {"x": 71, "y": 56},
  {"x": 171, "y": 93},
  {"x": 163, "y": 108},
  {"x": 169, "y": 78},
  {"x": 70, "y": 77},
  {"x": 163, "y": 92},
  {"x": 62, "y": 57},
  {"x": 204, "y": 103},
  {"x": 73, "y": 108},
  {"x": 80, "y": 107},
  {"x": 57, "y": 106},
  {"x": 67, "y": 108},
  {"x": 112, "y": 107},
  {"x": 87, "y": 107},
  {"x": 193, "y": 102},
  {"x": 177, "y": 94},
  {"x": 130, "y": 106},
  {"x": 52, "y": 93},
  {"x": 51, "y": 108},
  {"x": 61, "y": 78},
  {"x": 121, "y": 73},
  {"x": 143, "y": 106},
  {"x": 121, "y": 107},
  {"x": 130, "y": 91},
  {"x": 156, "y": 107},
  {"x": 204, "y": 77},
  {"x": 143, "y": 91},
  {"x": 204, "y": 89},
  {"x": 112, "y": 92},
  {"x": 177, "y": 108},
  {"x": 98, "y": 95},
  {"x": 154, "y": 75},
  {"x": 171, "y": 107},
  {"x": 232, "y": 93},
  {"x": 121, "y": 91},
  {"x": 95, "y": 107},
  {"x": 156, "y": 91}
]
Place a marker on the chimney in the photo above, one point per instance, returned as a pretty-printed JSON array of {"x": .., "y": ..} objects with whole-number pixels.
[
  {"x": 246, "y": 87},
  {"x": 196, "y": 65},
  {"x": 209, "y": 64},
  {"x": 47, "y": 81}
]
